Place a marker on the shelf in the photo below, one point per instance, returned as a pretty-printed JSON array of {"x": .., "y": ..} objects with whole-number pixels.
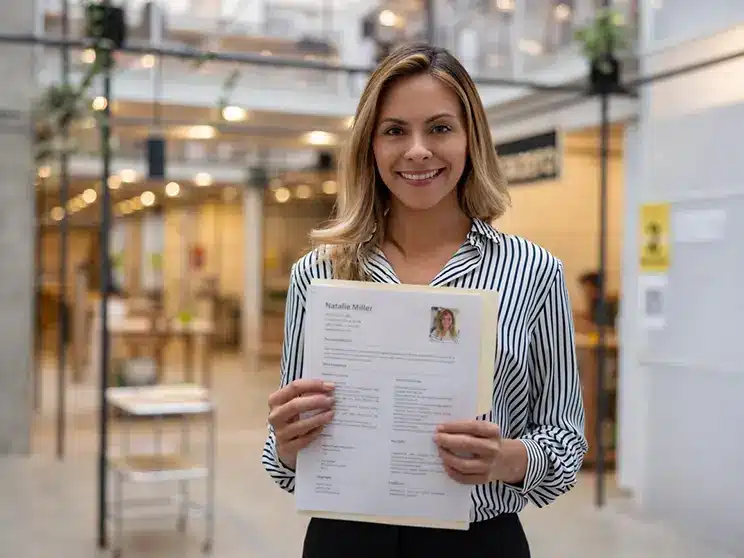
[{"x": 157, "y": 467}]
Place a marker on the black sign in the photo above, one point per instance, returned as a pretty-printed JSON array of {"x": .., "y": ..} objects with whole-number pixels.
[{"x": 530, "y": 159}]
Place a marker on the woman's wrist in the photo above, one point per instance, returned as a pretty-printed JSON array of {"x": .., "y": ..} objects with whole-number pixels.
[
  {"x": 512, "y": 467},
  {"x": 287, "y": 461}
]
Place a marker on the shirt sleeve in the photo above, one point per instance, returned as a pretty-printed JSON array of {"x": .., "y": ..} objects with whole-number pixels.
[
  {"x": 555, "y": 439},
  {"x": 291, "y": 369}
]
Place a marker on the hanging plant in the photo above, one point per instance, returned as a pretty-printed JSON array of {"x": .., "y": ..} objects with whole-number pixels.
[
  {"x": 229, "y": 83},
  {"x": 603, "y": 41},
  {"x": 63, "y": 106}
]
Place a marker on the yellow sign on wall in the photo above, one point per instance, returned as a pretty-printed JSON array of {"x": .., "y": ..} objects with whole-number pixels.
[{"x": 654, "y": 235}]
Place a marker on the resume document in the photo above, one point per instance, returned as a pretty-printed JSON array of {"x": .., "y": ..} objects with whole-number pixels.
[{"x": 403, "y": 360}]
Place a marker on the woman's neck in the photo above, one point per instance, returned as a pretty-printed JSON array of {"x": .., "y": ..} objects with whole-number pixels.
[{"x": 417, "y": 233}]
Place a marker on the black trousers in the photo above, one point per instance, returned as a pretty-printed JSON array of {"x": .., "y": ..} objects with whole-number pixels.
[{"x": 501, "y": 537}]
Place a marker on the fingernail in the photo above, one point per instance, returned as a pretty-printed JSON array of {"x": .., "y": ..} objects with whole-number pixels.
[{"x": 328, "y": 385}]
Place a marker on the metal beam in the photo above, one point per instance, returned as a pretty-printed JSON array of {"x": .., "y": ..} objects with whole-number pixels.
[
  {"x": 676, "y": 72},
  {"x": 63, "y": 314},
  {"x": 185, "y": 53}
]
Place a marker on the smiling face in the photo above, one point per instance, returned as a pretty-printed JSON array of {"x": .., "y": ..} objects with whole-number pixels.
[
  {"x": 446, "y": 321},
  {"x": 420, "y": 142}
]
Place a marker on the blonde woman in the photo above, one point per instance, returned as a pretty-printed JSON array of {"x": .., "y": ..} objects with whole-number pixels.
[
  {"x": 445, "y": 328},
  {"x": 420, "y": 185}
]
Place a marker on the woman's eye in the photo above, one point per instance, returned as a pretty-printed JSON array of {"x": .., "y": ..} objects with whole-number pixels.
[
  {"x": 441, "y": 128},
  {"x": 393, "y": 131}
]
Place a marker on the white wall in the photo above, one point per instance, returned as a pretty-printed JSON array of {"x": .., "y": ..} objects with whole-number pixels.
[
  {"x": 563, "y": 215},
  {"x": 683, "y": 455}
]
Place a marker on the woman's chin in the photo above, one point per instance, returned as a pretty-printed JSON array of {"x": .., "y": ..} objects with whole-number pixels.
[{"x": 421, "y": 200}]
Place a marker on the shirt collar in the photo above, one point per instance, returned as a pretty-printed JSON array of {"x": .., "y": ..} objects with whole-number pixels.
[{"x": 482, "y": 230}]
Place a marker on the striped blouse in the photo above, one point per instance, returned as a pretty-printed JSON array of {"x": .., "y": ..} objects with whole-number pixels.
[{"x": 537, "y": 395}]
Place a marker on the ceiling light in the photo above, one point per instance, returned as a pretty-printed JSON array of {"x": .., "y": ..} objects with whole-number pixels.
[
  {"x": 202, "y": 132},
  {"x": 100, "y": 103},
  {"x": 330, "y": 187},
  {"x": 88, "y": 56},
  {"x": 45, "y": 172},
  {"x": 234, "y": 114},
  {"x": 128, "y": 176},
  {"x": 304, "y": 191},
  {"x": 172, "y": 189},
  {"x": 203, "y": 179},
  {"x": 147, "y": 198},
  {"x": 349, "y": 122},
  {"x": 148, "y": 61},
  {"x": 114, "y": 182},
  {"x": 90, "y": 195},
  {"x": 533, "y": 48},
  {"x": 319, "y": 138},
  {"x": 57, "y": 213},
  {"x": 388, "y": 18},
  {"x": 282, "y": 194},
  {"x": 562, "y": 12},
  {"x": 505, "y": 5}
]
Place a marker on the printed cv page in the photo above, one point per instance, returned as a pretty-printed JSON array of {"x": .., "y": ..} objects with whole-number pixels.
[{"x": 402, "y": 362}]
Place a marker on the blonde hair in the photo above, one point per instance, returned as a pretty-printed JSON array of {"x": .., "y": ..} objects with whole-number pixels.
[
  {"x": 359, "y": 218},
  {"x": 440, "y": 326}
]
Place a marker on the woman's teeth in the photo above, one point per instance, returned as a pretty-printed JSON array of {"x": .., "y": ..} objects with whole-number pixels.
[{"x": 419, "y": 176}]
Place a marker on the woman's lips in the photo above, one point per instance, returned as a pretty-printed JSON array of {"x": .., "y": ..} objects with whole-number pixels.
[{"x": 420, "y": 178}]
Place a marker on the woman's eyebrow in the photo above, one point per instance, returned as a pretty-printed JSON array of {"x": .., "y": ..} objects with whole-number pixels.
[{"x": 394, "y": 120}]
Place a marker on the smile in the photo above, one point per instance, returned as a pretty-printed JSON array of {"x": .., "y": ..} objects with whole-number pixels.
[{"x": 416, "y": 176}]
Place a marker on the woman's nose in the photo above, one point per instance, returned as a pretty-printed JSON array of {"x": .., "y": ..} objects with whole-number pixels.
[{"x": 418, "y": 150}]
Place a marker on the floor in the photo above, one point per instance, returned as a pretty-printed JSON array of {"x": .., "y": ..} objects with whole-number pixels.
[{"x": 48, "y": 507}]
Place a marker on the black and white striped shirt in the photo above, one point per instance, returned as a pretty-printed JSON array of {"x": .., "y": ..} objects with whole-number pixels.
[{"x": 537, "y": 395}]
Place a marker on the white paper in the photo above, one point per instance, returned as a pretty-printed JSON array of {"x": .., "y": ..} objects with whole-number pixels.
[
  {"x": 652, "y": 293},
  {"x": 699, "y": 225},
  {"x": 395, "y": 382}
]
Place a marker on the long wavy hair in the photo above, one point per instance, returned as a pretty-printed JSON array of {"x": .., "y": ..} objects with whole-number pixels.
[
  {"x": 439, "y": 324},
  {"x": 358, "y": 223}
]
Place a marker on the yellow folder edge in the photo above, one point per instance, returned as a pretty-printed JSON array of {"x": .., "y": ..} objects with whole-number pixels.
[{"x": 484, "y": 401}]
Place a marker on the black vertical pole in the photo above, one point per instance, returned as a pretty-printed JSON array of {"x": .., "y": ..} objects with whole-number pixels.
[
  {"x": 601, "y": 352},
  {"x": 63, "y": 315},
  {"x": 603, "y": 314},
  {"x": 107, "y": 62}
]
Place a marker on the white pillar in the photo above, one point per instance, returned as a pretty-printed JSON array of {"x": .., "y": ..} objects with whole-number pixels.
[
  {"x": 16, "y": 231},
  {"x": 253, "y": 272}
]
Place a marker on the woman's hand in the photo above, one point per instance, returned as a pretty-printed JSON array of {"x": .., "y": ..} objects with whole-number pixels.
[
  {"x": 285, "y": 407},
  {"x": 473, "y": 452}
]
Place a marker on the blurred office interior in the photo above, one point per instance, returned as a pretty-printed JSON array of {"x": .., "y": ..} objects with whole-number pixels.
[{"x": 221, "y": 165}]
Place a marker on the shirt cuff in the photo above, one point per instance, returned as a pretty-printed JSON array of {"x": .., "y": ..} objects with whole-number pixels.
[
  {"x": 286, "y": 469},
  {"x": 537, "y": 467}
]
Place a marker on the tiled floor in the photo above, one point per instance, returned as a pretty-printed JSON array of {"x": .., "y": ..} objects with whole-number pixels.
[{"x": 47, "y": 508}]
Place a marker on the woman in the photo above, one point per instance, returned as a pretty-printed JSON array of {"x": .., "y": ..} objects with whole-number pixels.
[
  {"x": 445, "y": 329},
  {"x": 419, "y": 186}
]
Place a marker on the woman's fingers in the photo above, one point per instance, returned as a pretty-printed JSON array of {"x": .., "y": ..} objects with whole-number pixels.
[
  {"x": 303, "y": 427},
  {"x": 298, "y": 388},
  {"x": 294, "y": 446},
  {"x": 465, "y": 444},
  {"x": 464, "y": 465},
  {"x": 284, "y": 414}
]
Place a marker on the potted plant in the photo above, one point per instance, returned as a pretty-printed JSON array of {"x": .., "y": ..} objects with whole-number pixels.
[{"x": 602, "y": 41}]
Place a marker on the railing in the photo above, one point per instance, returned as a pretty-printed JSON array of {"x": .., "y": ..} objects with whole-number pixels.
[
  {"x": 500, "y": 38},
  {"x": 212, "y": 73}
]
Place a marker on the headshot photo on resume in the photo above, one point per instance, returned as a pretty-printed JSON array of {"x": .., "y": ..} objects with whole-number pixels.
[
  {"x": 420, "y": 193},
  {"x": 443, "y": 326}
]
